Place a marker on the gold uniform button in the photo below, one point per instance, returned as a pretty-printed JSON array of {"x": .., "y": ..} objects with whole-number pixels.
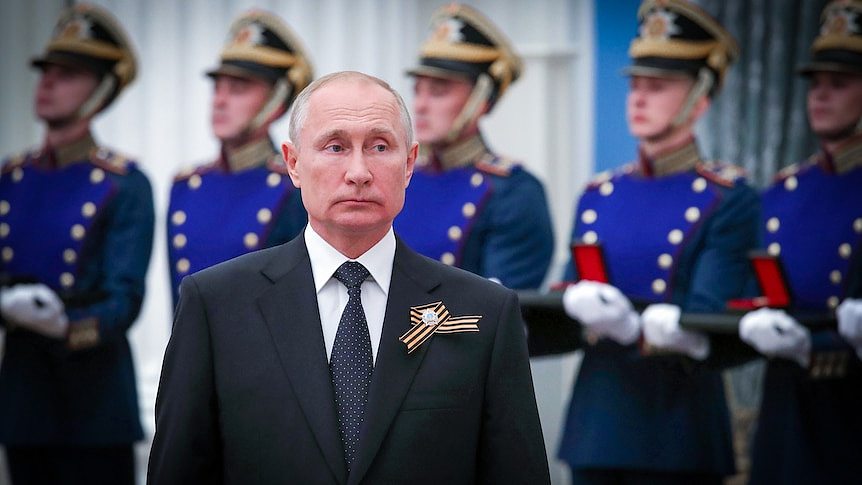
[
  {"x": 264, "y": 216},
  {"x": 589, "y": 216},
  {"x": 665, "y": 261},
  {"x": 832, "y": 302},
  {"x": 4, "y": 208},
  {"x": 67, "y": 280},
  {"x": 699, "y": 185},
  {"x": 78, "y": 232},
  {"x": 448, "y": 258},
  {"x": 773, "y": 224},
  {"x": 455, "y": 233},
  {"x": 97, "y": 175},
  {"x": 250, "y": 240},
  {"x": 70, "y": 256},
  {"x": 4, "y": 230},
  {"x": 658, "y": 286},
  {"x": 273, "y": 179},
  {"x": 469, "y": 210},
  {"x": 183, "y": 265},
  {"x": 477, "y": 179},
  {"x": 7, "y": 254},
  {"x": 590, "y": 237},
  {"x": 195, "y": 182},
  {"x": 844, "y": 250},
  {"x": 857, "y": 223},
  {"x": 790, "y": 183},
  {"x": 606, "y": 188},
  {"x": 17, "y": 174},
  {"x": 675, "y": 236},
  {"x": 835, "y": 277},
  {"x": 88, "y": 209},
  {"x": 774, "y": 249},
  {"x": 178, "y": 218},
  {"x": 180, "y": 241},
  {"x": 692, "y": 214}
]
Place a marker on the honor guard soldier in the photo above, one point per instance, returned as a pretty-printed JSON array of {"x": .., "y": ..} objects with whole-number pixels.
[
  {"x": 810, "y": 425},
  {"x": 675, "y": 231},
  {"x": 76, "y": 231},
  {"x": 244, "y": 200},
  {"x": 467, "y": 206}
]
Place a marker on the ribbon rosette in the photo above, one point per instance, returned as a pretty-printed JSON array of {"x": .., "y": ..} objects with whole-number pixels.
[{"x": 434, "y": 318}]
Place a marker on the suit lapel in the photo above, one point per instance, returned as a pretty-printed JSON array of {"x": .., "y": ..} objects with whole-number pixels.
[
  {"x": 291, "y": 313},
  {"x": 412, "y": 280}
]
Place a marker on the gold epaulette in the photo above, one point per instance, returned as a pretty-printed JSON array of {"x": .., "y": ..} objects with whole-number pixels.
[
  {"x": 14, "y": 161},
  {"x": 111, "y": 161},
  {"x": 794, "y": 169},
  {"x": 499, "y": 166},
  {"x": 278, "y": 165},
  {"x": 603, "y": 176},
  {"x": 187, "y": 172},
  {"x": 721, "y": 173}
]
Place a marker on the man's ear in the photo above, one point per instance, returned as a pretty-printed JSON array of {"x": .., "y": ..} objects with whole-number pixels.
[
  {"x": 290, "y": 153},
  {"x": 700, "y": 107},
  {"x": 412, "y": 153}
]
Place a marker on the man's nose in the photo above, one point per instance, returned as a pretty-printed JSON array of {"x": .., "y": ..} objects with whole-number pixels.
[{"x": 357, "y": 168}]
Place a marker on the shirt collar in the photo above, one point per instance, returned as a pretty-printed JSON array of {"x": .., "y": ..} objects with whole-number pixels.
[
  {"x": 325, "y": 259},
  {"x": 846, "y": 157}
]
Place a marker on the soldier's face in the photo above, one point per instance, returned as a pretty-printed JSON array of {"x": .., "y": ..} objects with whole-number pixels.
[
  {"x": 61, "y": 92},
  {"x": 834, "y": 104},
  {"x": 653, "y": 102},
  {"x": 236, "y": 101},
  {"x": 436, "y": 104},
  {"x": 352, "y": 160}
]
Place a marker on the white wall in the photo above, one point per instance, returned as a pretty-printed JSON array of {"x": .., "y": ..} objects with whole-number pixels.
[{"x": 545, "y": 119}]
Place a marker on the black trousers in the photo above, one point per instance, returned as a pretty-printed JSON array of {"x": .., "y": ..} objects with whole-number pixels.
[{"x": 71, "y": 465}]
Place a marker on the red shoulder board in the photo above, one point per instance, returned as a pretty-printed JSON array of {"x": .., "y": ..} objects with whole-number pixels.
[
  {"x": 499, "y": 166},
  {"x": 110, "y": 161},
  {"x": 724, "y": 174}
]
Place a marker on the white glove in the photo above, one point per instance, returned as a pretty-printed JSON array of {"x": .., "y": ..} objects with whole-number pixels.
[
  {"x": 35, "y": 307},
  {"x": 849, "y": 314},
  {"x": 603, "y": 310},
  {"x": 662, "y": 330},
  {"x": 774, "y": 333}
]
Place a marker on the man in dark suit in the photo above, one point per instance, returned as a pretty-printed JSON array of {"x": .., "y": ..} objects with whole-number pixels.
[{"x": 284, "y": 368}]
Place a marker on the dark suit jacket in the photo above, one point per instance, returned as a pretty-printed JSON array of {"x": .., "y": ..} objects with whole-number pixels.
[{"x": 246, "y": 397}]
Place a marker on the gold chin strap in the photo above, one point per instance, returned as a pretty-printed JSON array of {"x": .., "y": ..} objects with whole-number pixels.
[
  {"x": 96, "y": 100},
  {"x": 480, "y": 94},
  {"x": 276, "y": 100},
  {"x": 705, "y": 81}
]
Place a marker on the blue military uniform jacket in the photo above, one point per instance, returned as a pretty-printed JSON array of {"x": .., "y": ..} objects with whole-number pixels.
[
  {"x": 810, "y": 425},
  {"x": 240, "y": 203},
  {"x": 80, "y": 220},
  {"x": 675, "y": 230},
  {"x": 475, "y": 210}
]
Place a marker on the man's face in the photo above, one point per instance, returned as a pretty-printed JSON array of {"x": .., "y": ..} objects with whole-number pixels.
[
  {"x": 653, "y": 102},
  {"x": 61, "y": 92},
  {"x": 236, "y": 101},
  {"x": 834, "y": 104},
  {"x": 436, "y": 104},
  {"x": 351, "y": 161}
]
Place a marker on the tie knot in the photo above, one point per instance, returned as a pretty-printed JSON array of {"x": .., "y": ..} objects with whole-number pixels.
[{"x": 351, "y": 274}]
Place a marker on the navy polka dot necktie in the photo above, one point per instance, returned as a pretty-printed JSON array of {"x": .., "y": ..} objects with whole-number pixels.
[{"x": 351, "y": 363}]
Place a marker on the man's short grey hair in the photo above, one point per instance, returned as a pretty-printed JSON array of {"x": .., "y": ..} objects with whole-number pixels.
[{"x": 300, "y": 106}]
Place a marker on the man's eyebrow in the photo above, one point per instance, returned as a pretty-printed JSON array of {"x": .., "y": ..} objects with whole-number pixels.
[{"x": 326, "y": 135}]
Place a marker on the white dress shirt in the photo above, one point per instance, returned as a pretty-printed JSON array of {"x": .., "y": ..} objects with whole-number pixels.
[{"x": 332, "y": 294}]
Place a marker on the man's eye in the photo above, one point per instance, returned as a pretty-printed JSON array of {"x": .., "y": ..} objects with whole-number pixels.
[
  {"x": 379, "y": 147},
  {"x": 334, "y": 148}
]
